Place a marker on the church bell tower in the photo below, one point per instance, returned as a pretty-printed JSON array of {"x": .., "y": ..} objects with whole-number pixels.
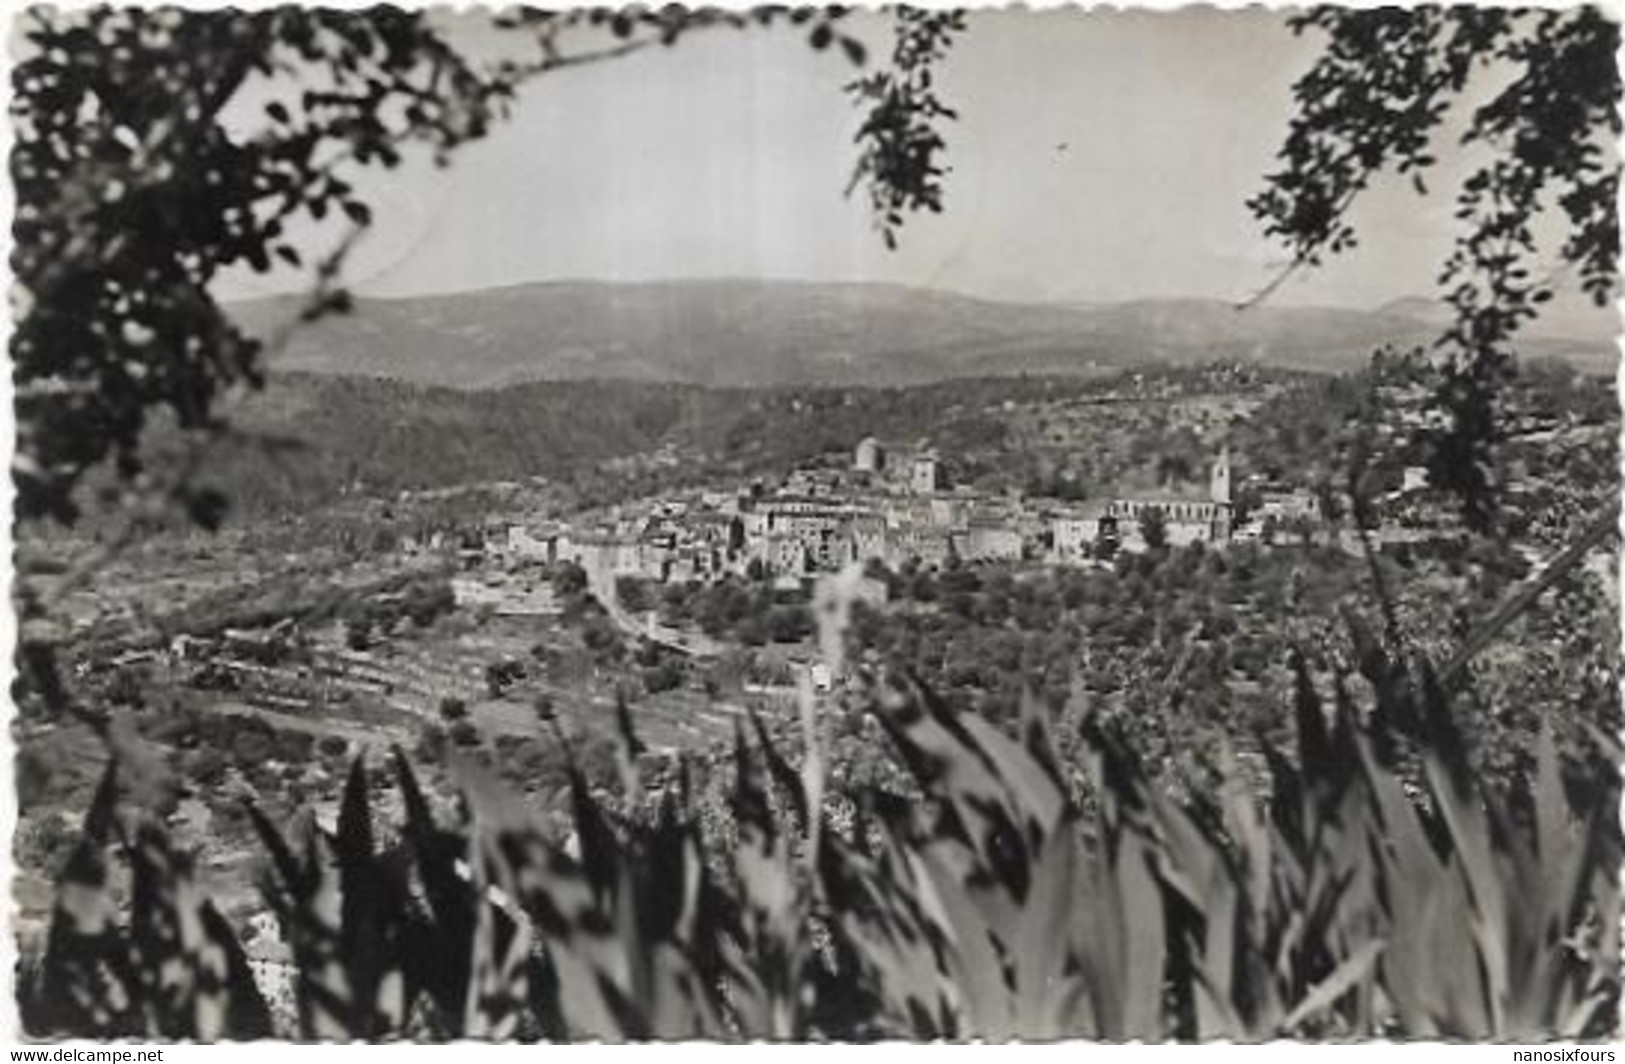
[{"x": 1219, "y": 479}]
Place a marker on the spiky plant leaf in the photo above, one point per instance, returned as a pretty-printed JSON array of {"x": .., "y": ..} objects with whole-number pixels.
[
  {"x": 439, "y": 960},
  {"x": 498, "y": 987},
  {"x": 86, "y": 984},
  {"x": 1326, "y": 993}
]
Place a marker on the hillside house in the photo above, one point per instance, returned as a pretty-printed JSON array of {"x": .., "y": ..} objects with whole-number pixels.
[
  {"x": 868, "y": 537},
  {"x": 930, "y": 547},
  {"x": 1075, "y": 531},
  {"x": 522, "y": 543},
  {"x": 1287, "y": 506},
  {"x": 987, "y": 541}
]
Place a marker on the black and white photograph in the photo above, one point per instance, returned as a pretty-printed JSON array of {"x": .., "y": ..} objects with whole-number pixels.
[{"x": 815, "y": 524}]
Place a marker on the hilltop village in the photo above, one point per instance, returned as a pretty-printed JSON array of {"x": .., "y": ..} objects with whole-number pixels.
[
  {"x": 896, "y": 504},
  {"x": 891, "y": 506}
]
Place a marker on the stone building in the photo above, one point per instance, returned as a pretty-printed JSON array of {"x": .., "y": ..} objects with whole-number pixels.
[
  {"x": 1074, "y": 532},
  {"x": 870, "y": 456},
  {"x": 987, "y": 541},
  {"x": 925, "y": 474},
  {"x": 1188, "y": 516}
]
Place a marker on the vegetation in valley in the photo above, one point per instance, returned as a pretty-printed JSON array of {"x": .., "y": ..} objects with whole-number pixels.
[{"x": 989, "y": 904}]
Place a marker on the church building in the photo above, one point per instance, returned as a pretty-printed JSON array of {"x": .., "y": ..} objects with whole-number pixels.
[{"x": 1188, "y": 516}]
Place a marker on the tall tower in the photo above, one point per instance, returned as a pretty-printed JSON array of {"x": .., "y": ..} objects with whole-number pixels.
[
  {"x": 926, "y": 476},
  {"x": 1219, "y": 479},
  {"x": 870, "y": 457}
]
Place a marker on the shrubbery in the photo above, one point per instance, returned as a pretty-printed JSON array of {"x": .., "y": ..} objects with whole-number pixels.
[
  {"x": 663, "y": 677},
  {"x": 502, "y": 675},
  {"x": 747, "y": 611},
  {"x": 997, "y": 900}
]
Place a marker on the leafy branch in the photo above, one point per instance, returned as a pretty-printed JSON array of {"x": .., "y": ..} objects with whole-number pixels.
[
  {"x": 1375, "y": 102},
  {"x": 133, "y": 194}
]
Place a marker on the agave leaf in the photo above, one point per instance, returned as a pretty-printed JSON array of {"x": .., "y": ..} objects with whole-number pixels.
[
  {"x": 158, "y": 953},
  {"x": 326, "y": 997},
  {"x": 1198, "y": 871},
  {"x": 574, "y": 920},
  {"x": 1445, "y": 745},
  {"x": 749, "y": 800},
  {"x": 498, "y": 977},
  {"x": 1188, "y": 859},
  {"x": 354, "y": 849},
  {"x": 1411, "y": 879},
  {"x": 1032, "y": 789},
  {"x": 590, "y": 1000},
  {"x": 1585, "y": 1011},
  {"x": 195, "y": 979},
  {"x": 345, "y": 917},
  {"x": 246, "y": 1016},
  {"x": 1047, "y": 1000},
  {"x": 304, "y": 897},
  {"x": 442, "y": 963},
  {"x": 1457, "y": 990},
  {"x": 976, "y": 957},
  {"x": 615, "y": 986},
  {"x": 593, "y": 833},
  {"x": 1564, "y": 851},
  {"x": 566, "y": 915},
  {"x": 370, "y": 917},
  {"x": 976, "y": 912},
  {"x": 1122, "y": 953},
  {"x": 766, "y": 957},
  {"x": 1325, "y": 994},
  {"x": 284, "y": 864},
  {"x": 1036, "y": 734},
  {"x": 875, "y": 913},
  {"x": 1410, "y": 966},
  {"x": 616, "y": 973},
  {"x": 1466, "y": 819},
  {"x": 1216, "y": 1016},
  {"x": 668, "y": 882},
  {"x": 1144, "y": 927},
  {"x": 1216, "y": 970},
  {"x": 86, "y": 982},
  {"x": 941, "y": 754},
  {"x": 1394, "y": 825},
  {"x": 1247, "y": 826},
  {"x": 680, "y": 1003},
  {"x": 769, "y": 954},
  {"x": 1603, "y": 856}
]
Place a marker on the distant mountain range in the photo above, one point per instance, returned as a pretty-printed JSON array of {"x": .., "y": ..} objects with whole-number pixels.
[{"x": 756, "y": 333}]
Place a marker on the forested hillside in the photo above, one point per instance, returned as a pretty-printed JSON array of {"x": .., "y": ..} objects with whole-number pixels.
[
  {"x": 378, "y": 436},
  {"x": 1063, "y": 436}
]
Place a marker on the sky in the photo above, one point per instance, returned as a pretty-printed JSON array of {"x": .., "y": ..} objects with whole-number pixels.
[{"x": 1097, "y": 156}]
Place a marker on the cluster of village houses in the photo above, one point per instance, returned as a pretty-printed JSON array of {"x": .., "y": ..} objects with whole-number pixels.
[{"x": 885, "y": 507}]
